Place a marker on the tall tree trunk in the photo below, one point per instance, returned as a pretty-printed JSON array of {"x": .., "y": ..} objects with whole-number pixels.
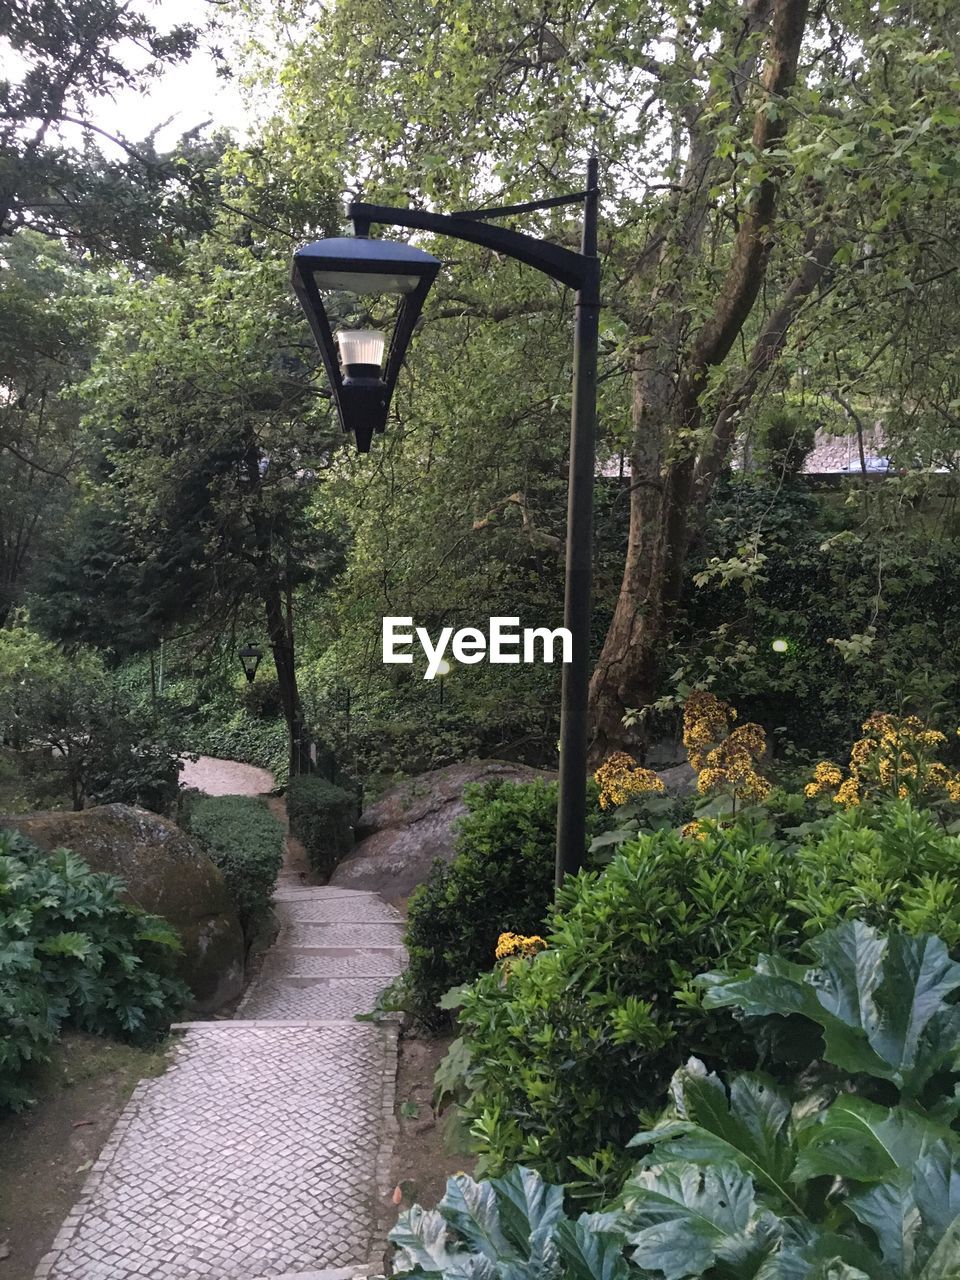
[
  {"x": 284, "y": 659},
  {"x": 278, "y": 609},
  {"x": 670, "y": 376}
]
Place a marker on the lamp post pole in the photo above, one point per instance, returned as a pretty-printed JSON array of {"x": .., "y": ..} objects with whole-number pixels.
[
  {"x": 333, "y": 263},
  {"x": 571, "y": 801}
]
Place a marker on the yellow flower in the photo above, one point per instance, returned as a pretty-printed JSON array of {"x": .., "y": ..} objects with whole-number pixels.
[
  {"x": 694, "y": 831},
  {"x": 518, "y": 944},
  {"x": 620, "y": 778},
  {"x": 848, "y": 794}
]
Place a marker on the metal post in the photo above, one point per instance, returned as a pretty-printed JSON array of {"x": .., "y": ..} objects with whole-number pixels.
[{"x": 572, "y": 800}]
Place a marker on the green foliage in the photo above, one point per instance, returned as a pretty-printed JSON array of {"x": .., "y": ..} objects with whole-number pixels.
[
  {"x": 560, "y": 1053},
  {"x": 565, "y": 1049},
  {"x": 861, "y": 586},
  {"x": 882, "y": 1005},
  {"x": 322, "y": 817},
  {"x": 71, "y": 951},
  {"x": 245, "y": 840},
  {"x": 506, "y": 1228},
  {"x": 890, "y": 864},
  {"x": 758, "y": 1180},
  {"x": 70, "y": 706},
  {"x": 501, "y": 880},
  {"x": 240, "y": 736}
]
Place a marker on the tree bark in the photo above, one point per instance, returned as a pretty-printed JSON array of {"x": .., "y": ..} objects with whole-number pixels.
[{"x": 670, "y": 375}]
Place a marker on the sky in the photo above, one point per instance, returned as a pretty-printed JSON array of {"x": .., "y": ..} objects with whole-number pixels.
[
  {"x": 191, "y": 92},
  {"x": 186, "y": 95}
]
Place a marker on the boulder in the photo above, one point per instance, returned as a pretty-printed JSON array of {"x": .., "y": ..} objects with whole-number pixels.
[
  {"x": 400, "y": 835},
  {"x": 165, "y": 873},
  {"x": 680, "y": 781}
]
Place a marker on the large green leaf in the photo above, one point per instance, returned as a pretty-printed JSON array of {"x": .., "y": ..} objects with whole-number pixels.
[
  {"x": 864, "y": 1142},
  {"x": 944, "y": 1262},
  {"x": 471, "y": 1209},
  {"x": 882, "y": 1005},
  {"x": 890, "y": 1210},
  {"x": 422, "y": 1240},
  {"x": 529, "y": 1210},
  {"x": 588, "y": 1254},
  {"x": 683, "y": 1219},
  {"x": 750, "y": 1128},
  {"x": 808, "y": 1252}
]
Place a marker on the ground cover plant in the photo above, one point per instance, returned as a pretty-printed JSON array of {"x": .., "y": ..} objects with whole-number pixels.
[
  {"x": 71, "y": 952},
  {"x": 850, "y": 1173},
  {"x": 245, "y": 840}
]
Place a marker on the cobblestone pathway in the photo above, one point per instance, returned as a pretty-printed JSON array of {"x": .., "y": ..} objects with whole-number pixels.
[{"x": 264, "y": 1151}]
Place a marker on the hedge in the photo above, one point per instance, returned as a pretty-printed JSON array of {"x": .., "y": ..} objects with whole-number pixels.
[
  {"x": 321, "y": 817},
  {"x": 245, "y": 840}
]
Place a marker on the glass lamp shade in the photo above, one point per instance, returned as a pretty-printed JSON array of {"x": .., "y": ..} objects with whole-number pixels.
[{"x": 363, "y": 347}]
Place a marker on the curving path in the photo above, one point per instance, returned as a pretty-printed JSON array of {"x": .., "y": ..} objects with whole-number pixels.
[
  {"x": 265, "y": 1149},
  {"x": 225, "y": 777}
]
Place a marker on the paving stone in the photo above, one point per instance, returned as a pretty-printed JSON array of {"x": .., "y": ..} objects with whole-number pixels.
[
  {"x": 308, "y": 997},
  {"x": 342, "y": 935},
  {"x": 335, "y": 962},
  {"x": 350, "y": 910},
  {"x": 264, "y": 1151}
]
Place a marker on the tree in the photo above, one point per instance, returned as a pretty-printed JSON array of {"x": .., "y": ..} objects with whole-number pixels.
[
  {"x": 66, "y": 705},
  {"x": 760, "y": 159},
  {"x": 72, "y": 56},
  {"x": 212, "y": 450}
]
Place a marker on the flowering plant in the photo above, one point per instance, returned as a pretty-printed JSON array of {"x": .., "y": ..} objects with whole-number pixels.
[
  {"x": 724, "y": 756},
  {"x": 896, "y": 757}
]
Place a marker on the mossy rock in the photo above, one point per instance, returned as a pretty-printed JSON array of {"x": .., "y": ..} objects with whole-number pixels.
[{"x": 167, "y": 874}]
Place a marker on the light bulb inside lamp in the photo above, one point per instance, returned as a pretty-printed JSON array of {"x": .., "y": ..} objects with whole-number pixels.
[{"x": 361, "y": 352}]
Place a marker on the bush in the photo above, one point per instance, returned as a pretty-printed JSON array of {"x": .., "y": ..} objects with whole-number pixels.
[
  {"x": 264, "y": 743},
  {"x": 887, "y": 864},
  {"x": 736, "y": 1177},
  {"x": 71, "y": 951},
  {"x": 245, "y": 840},
  {"x": 566, "y": 1049},
  {"x": 321, "y": 817},
  {"x": 501, "y": 880},
  {"x": 559, "y": 1053}
]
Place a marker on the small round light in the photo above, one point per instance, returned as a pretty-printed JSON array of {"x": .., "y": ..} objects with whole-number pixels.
[
  {"x": 780, "y": 645},
  {"x": 443, "y": 668}
]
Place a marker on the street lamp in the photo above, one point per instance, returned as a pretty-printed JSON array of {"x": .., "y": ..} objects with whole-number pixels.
[
  {"x": 250, "y": 655},
  {"x": 353, "y": 357},
  {"x": 362, "y": 396},
  {"x": 443, "y": 670}
]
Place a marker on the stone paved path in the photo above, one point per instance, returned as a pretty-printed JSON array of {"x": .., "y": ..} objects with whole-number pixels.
[{"x": 265, "y": 1149}]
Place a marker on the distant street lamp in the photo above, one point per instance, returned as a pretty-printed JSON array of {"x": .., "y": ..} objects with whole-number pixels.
[
  {"x": 443, "y": 670},
  {"x": 362, "y": 387},
  {"x": 250, "y": 656}
]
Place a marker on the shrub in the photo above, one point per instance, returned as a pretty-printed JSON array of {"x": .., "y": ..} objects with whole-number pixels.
[
  {"x": 245, "y": 840},
  {"x": 264, "y": 743},
  {"x": 322, "y": 817},
  {"x": 736, "y": 1177},
  {"x": 566, "y": 1048},
  {"x": 501, "y": 880},
  {"x": 71, "y": 951},
  {"x": 558, "y": 1054},
  {"x": 887, "y": 864}
]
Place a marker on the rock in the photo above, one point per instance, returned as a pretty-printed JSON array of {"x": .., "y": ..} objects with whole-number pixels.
[
  {"x": 400, "y": 836},
  {"x": 679, "y": 781},
  {"x": 166, "y": 874}
]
